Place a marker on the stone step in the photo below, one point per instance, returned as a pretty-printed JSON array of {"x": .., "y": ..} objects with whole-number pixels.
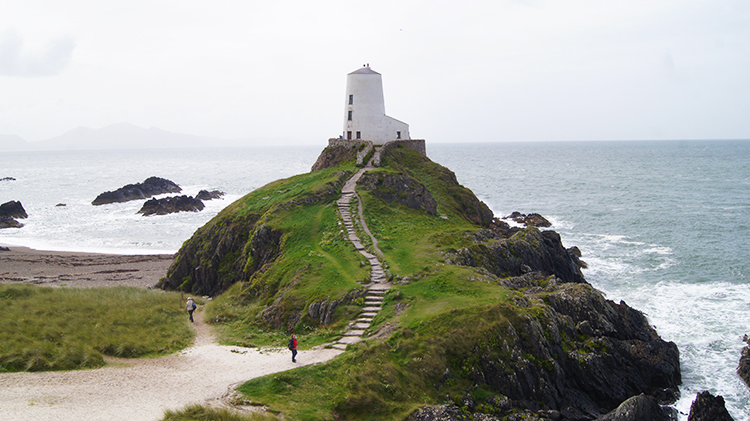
[
  {"x": 376, "y": 292},
  {"x": 369, "y": 314},
  {"x": 379, "y": 287},
  {"x": 365, "y": 320},
  {"x": 354, "y": 332},
  {"x": 373, "y": 301},
  {"x": 361, "y": 325},
  {"x": 341, "y": 347},
  {"x": 371, "y": 309},
  {"x": 349, "y": 340}
]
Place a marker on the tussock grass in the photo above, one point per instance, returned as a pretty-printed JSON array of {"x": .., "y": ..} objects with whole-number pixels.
[
  {"x": 201, "y": 413},
  {"x": 60, "y": 329}
]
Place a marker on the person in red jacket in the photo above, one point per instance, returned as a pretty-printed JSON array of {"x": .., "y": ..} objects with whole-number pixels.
[{"x": 293, "y": 347}]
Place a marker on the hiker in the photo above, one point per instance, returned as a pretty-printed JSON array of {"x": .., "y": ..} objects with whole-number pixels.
[
  {"x": 190, "y": 307},
  {"x": 293, "y": 347}
]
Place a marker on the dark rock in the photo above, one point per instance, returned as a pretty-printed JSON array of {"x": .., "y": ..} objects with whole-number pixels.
[
  {"x": 59, "y": 205},
  {"x": 152, "y": 186},
  {"x": 322, "y": 311},
  {"x": 209, "y": 195},
  {"x": 9, "y": 211},
  {"x": 6, "y": 222},
  {"x": 13, "y": 209},
  {"x": 640, "y": 408},
  {"x": 706, "y": 407},
  {"x": 4, "y": 248},
  {"x": 7, "y": 179},
  {"x": 743, "y": 370},
  {"x": 530, "y": 220},
  {"x": 332, "y": 156},
  {"x": 440, "y": 413},
  {"x": 525, "y": 251},
  {"x": 172, "y": 204},
  {"x": 401, "y": 189}
]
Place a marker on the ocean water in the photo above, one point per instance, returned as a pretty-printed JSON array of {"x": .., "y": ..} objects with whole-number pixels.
[{"x": 664, "y": 226}]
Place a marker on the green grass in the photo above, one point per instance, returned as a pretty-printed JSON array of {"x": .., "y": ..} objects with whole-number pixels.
[{"x": 60, "y": 329}]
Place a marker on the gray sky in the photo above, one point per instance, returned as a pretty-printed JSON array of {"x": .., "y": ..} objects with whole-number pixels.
[{"x": 495, "y": 70}]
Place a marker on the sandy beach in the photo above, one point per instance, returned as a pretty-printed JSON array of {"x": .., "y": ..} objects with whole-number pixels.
[
  {"x": 79, "y": 270},
  {"x": 127, "y": 389}
]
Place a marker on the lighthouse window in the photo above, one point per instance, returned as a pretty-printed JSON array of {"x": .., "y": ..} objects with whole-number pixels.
[
  {"x": 350, "y": 116},
  {"x": 348, "y": 135},
  {"x": 359, "y": 135},
  {"x": 351, "y": 99},
  {"x": 398, "y": 135}
]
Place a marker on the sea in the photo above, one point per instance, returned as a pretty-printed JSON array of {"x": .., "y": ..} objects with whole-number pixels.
[{"x": 663, "y": 225}]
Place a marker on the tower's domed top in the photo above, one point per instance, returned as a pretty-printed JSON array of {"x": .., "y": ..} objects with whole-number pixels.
[{"x": 364, "y": 70}]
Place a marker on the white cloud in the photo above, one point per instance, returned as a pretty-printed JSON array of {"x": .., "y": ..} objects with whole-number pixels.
[{"x": 48, "y": 60}]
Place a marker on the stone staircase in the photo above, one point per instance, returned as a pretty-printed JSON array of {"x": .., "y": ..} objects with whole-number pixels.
[{"x": 379, "y": 285}]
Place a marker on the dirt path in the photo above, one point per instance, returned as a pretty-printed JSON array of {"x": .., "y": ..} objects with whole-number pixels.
[{"x": 142, "y": 389}]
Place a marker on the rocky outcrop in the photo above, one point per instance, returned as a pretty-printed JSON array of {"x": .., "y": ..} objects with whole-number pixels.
[
  {"x": 172, "y": 204},
  {"x": 221, "y": 254},
  {"x": 7, "y": 179},
  {"x": 530, "y": 220},
  {"x": 743, "y": 370},
  {"x": 707, "y": 407},
  {"x": 565, "y": 353},
  {"x": 527, "y": 250},
  {"x": 9, "y": 212},
  {"x": 209, "y": 195},
  {"x": 152, "y": 186},
  {"x": 400, "y": 189},
  {"x": 338, "y": 152}
]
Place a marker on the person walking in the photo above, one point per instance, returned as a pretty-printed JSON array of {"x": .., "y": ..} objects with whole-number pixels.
[
  {"x": 190, "y": 307},
  {"x": 293, "y": 347}
]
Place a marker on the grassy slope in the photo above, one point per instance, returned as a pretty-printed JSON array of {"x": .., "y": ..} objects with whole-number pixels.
[
  {"x": 442, "y": 310},
  {"x": 58, "y": 329},
  {"x": 316, "y": 264}
]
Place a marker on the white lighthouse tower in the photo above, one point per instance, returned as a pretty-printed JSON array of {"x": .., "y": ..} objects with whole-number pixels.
[{"x": 364, "y": 110}]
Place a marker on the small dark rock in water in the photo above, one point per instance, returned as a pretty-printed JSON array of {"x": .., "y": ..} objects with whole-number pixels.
[
  {"x": 4, "y": 249},
  {"x": 707, "y": 407},
  {"x": 7, "y": 222},
  {"x": 171, "y": 205},
  {"x": 7, "y": 179},
  {"x": 152, "y": 186},
  {"x": 638, "y": 408},
  {"x": 209, "y": 195},
  {"x": 744, "y": 368},
  {"x": 60, "y": 204},
  {"x": 530, "y": 220}
]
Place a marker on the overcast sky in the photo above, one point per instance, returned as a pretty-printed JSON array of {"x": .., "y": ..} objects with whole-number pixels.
[{"x": 470, "y": 71}]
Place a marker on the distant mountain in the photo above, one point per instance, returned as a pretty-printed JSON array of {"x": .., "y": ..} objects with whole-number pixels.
[
  {"x": 13, "y": 143},
  {"x": 127, "y": 136}
]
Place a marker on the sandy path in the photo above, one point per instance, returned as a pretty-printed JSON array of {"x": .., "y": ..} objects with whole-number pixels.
[{"x": 142, "y": 389}]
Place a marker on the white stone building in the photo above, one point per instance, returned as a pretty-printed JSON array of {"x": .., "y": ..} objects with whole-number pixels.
[{"x": 364, "y": 110}]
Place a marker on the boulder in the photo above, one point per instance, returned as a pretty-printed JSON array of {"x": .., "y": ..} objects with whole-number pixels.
[
  {"x": 9, "y": 211},
  {"x": 530, "y": 220},
  {"x": 744, "y": 368},
  {"x": 171, "y": 204},
  {"x": 152, "y": 186},
  {"x": 639, "y": 408},
  {"x": 209, "y": 195},
  {"x": 707, "y": 407},
  {"x": 7, "y": 179},
  {"x": 13, "y": 209}
]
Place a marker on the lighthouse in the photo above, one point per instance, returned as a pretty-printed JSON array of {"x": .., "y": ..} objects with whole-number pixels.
[{"x": 364, "y": 110}]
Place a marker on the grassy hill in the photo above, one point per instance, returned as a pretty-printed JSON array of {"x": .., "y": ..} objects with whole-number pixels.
[{"x": 481, "y": 318}]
